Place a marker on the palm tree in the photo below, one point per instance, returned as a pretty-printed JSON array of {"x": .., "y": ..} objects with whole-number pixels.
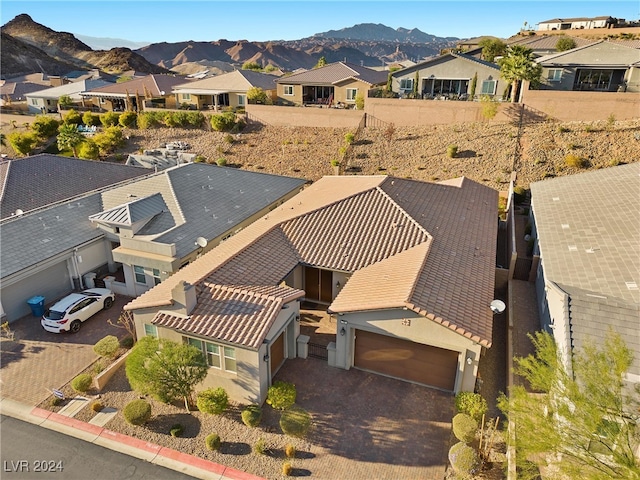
[
  {"x": 69, "y": 138},
  {"x": 519, "y": 65}
]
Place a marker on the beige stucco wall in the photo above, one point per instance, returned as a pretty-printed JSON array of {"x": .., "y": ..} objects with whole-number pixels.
[
  {"x": 584, "y": 106},
  {"x": 306, "y": 117},
  {"x": 421, "y": 330}
]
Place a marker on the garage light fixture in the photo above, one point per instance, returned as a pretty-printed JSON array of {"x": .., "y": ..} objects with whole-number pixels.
[
  {"x": 344, "y": 322},
  {"x": 469, "y": 361},
  {"x": 266, "y": 357},
  {"x": 343, "y": 332}
]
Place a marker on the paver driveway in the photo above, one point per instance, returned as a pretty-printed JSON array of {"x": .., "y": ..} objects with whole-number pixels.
[
  {"x": 367, "y": 426},
  {"x": 38, "y": 361}
]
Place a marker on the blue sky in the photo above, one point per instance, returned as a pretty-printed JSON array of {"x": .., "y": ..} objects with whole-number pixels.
[{"x": 207, "y": 20}]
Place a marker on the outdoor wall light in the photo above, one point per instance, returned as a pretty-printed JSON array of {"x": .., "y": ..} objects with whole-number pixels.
[
  {"x": 337, "y": 284},
  {"x": 343, "y": 332},
  {"x": 298, "y": 318},
  {"x": 469, "y": 361},
  {"x": 343, "y": 322},
  {"x": 266, "y": 357}
]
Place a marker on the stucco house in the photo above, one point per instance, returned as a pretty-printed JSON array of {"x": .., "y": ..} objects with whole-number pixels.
[
  {"x": 47, "y": 100},
  {"x": 450, "y": 76},
  {"x": 124, "y": 225},
  {"x": 576, "y": 23},
  {"x": 587, "y": 230},
  {"x": 14, "y": 94},
  {"x": 225, "y": 90},
  {"x": 406, "y": 269},
  {"x": 153, "y": 90},
  {"x": 601, "y": 66},
  {"x": 334, "y": 84}
]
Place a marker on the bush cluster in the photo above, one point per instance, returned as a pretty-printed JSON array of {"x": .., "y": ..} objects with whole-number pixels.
[
  {"x": 281, "y": 395},
  {"x": 464, "y": 427},
  {"x": 260, "y": 447},
  {"x": 575, "y": 161},
  {"x": 252, "y": 415},
  {"x": 107, "y": 347},
  {"x": 72, "y": 117},
  {"x": 223, "y": 122},
  {"x": 110, "y": 119},
  {"x": 213, "y": 441},
  {"x": 44, "y": 127},
  {"x": 137, "y": 412},
  {"x": 213, "y": 401},
  {"x": 464, "y": 460},
  {"x": 473, "y": 404},
  {"x": 128, "y": 119},
  {"x": 452, "y": 151},
  {"x": 82, "y": 383}
]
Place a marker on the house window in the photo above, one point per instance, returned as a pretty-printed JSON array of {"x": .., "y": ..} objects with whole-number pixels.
[
  {"x": 34, "y": 101},
  {"x": 102, "y": 101},
  {"x": 488, "y": 87},
  {"x": 150, "y": 330},
  {"x": 222, "y": 358},
  {"x": 406, "y": 84},
  {"x": 186, "y": 96},
  {"x": 554, "y": 75},
  {"x": 351, "y": 93},
  {"x": 242, "y": 100},
  {"x": 156, "y": 276},
  {"x": 139, "y": 274},
  {"x": 288, "y": 89},
  {"x": 593, "y": 80}
]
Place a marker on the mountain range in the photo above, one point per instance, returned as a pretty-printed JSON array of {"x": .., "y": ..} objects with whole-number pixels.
[{"x": 57, "y": 52}]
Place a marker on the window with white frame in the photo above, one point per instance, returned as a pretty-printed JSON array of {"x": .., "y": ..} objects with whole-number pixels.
[
  {"x": 406, "y": 84},
  {"x": 554, "y": 75},
  {"x": 218, "y": 356},
  {"x": 288, "y": 89},
  {"x": 34, "y": 101},
  {"x": 141, "y": 277},
  {"x": 488, "y": 87},
  {"x": 186, "y": 96},
  {"x": 242, "y": 100},
  {"x": 150, "y": 330},
  {"x": 156, "y": 276},
  {"x": 352, "y": 93}
]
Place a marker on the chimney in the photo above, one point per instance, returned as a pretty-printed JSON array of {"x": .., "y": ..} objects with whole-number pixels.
[{"x": 184, "y": 297}]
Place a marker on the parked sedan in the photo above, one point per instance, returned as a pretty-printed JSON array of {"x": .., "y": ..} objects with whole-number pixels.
[{"x": 68, "y": 313}]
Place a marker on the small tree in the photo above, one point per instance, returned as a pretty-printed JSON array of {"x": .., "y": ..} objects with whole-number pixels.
[
  {"x": 126, "y": 321},
  {"x": 69, "y": 138},
  {"x": 109, "y": 119},
  {"x": 251, "y": 66},
  {"x": 90, "y": 119},
  {"x": 519, "y": 65},
  {"x": 44, "y": 126},
  {"x": 256, "y": 95},
  {"x": 65, "y": 101},
  {"x": 322, "y": 61},
  {"x": 565, "y": 43},
  {"x": 22, "y": 143},
  {"x": 88, "y": 150},
  {"x": 359, "y": 101},
  {"x": 492, "y": 48},
  {"x": 166, "y": 370},
  {"x": 72, "y": 118},
  {"x": 584, "y": 423},
  {"x": 474, "y": 85}
]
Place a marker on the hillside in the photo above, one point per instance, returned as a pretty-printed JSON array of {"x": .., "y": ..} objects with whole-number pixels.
[{"x": 19, "y": 58}]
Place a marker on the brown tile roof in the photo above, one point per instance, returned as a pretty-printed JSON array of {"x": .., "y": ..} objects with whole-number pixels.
[
  {"x": 236, "y": 314},
  {"x": 155, "y": 85},
  {"x": 336, "y": 73},
  {"x": 434, "y": 244}
]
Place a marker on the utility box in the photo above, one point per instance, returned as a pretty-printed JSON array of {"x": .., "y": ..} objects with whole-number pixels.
[
  {"x": 90, "y": 279},
  {"x": 37, "y": 305}
]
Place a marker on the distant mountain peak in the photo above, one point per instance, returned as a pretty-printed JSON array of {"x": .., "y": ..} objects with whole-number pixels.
[{"x": 377, "y": 32}]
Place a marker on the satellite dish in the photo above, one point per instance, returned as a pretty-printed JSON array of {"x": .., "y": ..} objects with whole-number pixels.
[
  {"x": 497, "y": 306},
  {"x": 201, "y": 242},
  {"x": 19, "y": 212}
]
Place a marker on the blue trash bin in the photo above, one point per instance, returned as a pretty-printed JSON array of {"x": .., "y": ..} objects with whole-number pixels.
[{"x": 37, "y": 305}]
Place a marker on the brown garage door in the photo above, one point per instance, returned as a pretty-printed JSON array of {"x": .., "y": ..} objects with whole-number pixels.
[
  {"x": 277, "y": 354},
  {"x": 406, "y": 360}
]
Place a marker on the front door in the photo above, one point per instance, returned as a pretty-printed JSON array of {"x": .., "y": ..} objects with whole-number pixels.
[
  {"x": 318, "y": 284},
  {"x": 277, "y": 354}
]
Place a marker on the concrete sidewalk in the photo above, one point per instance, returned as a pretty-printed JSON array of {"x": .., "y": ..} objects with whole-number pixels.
[{"x": 165, "y": 457}]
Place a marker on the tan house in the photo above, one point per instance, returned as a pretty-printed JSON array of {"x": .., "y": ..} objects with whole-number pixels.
[
  {"x": 225, "y": 90},
  {"x": 335, "y": 84},
  {"x": 154, "y": 91},
  {"x": 406, "y": 269}
]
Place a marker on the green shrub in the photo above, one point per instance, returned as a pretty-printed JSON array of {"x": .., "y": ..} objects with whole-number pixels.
[
  {"x": 200, "y": 159},
  {"x": 489, "y": 107},
  {"x": 221, "y": 162},
  {"x": 44, "y": 127},
  {"x": 256, "y": 95},
  {"x": 223, "y": 122},
  {"x": 563, "y": 129},
  {"x": 109, "y": 119},
  {"x": 213, "y": 401},
  {"x": 97, "y": 407},
  {"x": 359, "y": 101},
  {"x": 22, "y": 143},
  {"x": 519, "y": 194},
  {"x": 90, "y": 119},
  {"x": 611, "y": 120},
  {"x": 128, "y": 119},
  {"x": 109, "y": 140},
  {"x": 72, "y": 117},
  {"x": 464, "y": 427},
  {"x": 213, "y": 441},
  {"x": 290, "y": 451},
  {"x": 473, "y": 404},
  {"x": 107, "y": 347},
  {"x": 349, "y": 138},
  {"x": 89, "y": 150},
  {"x": 82, "y": 383},
  {"x": 575, "y": 161},
  {"x": 194, "y": 119},
  {"x": 98, "y": 367},
  {"x": 452, "y": 151},
  {"x": 260, "y": 447},
  {"x": 176, "y": 430},
  {"x": 148, "y": 120},
  {"x": 228, "y": 138},
  {"x": 287, "y": 468},
  {"x": 252, "y": 415},
  {"x": 55, "y": 401},
  {"x": 464, "y": 460},
  {"x": 127, "y": 342},
  {"x": 137, "y": 412},
  {"x": 335, "y": 162},
  {"x": 281, "y": 395},
  {"x": 295, "y": 421}
]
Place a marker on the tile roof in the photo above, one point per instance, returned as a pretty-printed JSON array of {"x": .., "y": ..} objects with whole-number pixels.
[
  {"x": 156, "y": 85},
  {"x": 435, "y": 241},
  {"x": 600, "y": 53},
  {"x": 40, "y": 180},
  {"x": 548, "y": 42},
  {"x": 335, "y": 73},
  {"x": 237, "y": 314},
  {"x": 18, "y": 91},
  {"x": 588, "y": 229},
  {"x": 236, "y": 81},
  {"x": 72, "y": 89}
]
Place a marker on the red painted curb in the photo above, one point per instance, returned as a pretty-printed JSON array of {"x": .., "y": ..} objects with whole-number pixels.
[
  {"x": 240, "y": 475},
  {"x": 132, "y": 442},
  {"x": 193, "y": 461},
  {"x": 72, "y": 422},
  {"x": 40, "y": 412}
]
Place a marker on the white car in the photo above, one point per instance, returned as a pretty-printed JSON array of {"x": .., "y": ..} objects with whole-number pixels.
[{"x": 68, "y": 313}]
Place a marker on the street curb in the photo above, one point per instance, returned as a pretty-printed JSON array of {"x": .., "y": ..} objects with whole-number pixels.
[{"x": 162, "y": 456}]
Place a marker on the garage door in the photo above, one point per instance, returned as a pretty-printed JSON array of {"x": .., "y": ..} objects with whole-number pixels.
[
  {"x": 277, "y": 354},
  {"x": 406, "y": 360}
]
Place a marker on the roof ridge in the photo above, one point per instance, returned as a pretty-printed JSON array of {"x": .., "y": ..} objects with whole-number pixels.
[
  {"x": 402, "y": 210},
  {"x": 560, "y": 54}
]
